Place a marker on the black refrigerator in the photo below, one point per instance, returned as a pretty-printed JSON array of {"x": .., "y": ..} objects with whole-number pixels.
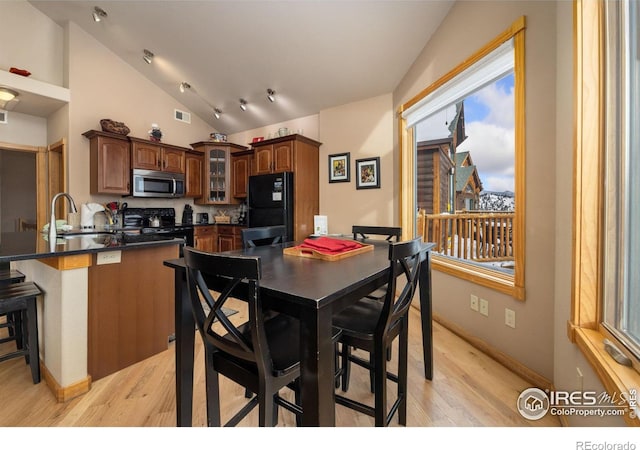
[{"x": 271, "y": 201}]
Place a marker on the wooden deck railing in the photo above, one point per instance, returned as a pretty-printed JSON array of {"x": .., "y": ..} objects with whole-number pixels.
[{"x": 478, "y": 236}]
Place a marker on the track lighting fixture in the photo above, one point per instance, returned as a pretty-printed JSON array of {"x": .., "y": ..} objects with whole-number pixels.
[
  {"x": 243, "y": 104},
  {"x": 271, "y": 95},
  {"x": 216, "y": 113},
  {"x": 98, "y": 14},
  {"x": 184, "y": 86},
  {"x": 148, "y": 56}
]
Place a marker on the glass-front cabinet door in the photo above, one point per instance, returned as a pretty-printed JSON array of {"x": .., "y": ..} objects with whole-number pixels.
[
  {"x": 218, "y": 163},
  {"x": 217, "y": 168}
]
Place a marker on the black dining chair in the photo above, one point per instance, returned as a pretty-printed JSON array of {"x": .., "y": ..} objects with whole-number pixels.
[
  {"x": 372, "y": 326},
  {"x": 254, "y": 237},
  {"x": 262, "y": 354}
]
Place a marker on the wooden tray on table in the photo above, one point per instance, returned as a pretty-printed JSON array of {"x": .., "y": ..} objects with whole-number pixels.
[{"x": 326, "y": 256}]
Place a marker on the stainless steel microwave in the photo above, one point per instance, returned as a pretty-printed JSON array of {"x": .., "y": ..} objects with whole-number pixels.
[{"x": 152, "y": 183}]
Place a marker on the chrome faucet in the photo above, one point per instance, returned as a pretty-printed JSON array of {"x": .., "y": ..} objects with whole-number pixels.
[{"x": 52, "y": 222}]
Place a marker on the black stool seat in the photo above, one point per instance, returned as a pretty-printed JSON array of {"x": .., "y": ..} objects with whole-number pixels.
[
  {"x": 20, "y": 299},
  {"x": 11, "y": 276}
]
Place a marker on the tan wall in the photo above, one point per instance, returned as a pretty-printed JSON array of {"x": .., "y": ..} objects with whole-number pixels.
[
  {"x": 103, "y": 86},
  {"x": 307, "y": 126},
  {"x": 469, "y": 26},
  {"x": 364, "y": 129}
]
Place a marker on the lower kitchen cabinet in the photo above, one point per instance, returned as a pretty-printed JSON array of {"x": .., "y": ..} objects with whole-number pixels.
[
  {"x": 205, "y": 238},
  {"x": 217, "y": 238}
]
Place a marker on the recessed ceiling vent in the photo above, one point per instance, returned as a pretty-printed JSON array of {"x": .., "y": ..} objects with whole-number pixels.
[
  {"x": 3, "y": 116},
  {"x": 182, "y": 116}
]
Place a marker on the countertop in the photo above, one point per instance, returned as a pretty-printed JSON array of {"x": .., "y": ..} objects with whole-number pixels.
[{"x": 24, "y": 245}]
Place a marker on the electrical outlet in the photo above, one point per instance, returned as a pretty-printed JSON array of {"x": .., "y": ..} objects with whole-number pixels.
[
  {"x": 113, "y": 257},
  {"x": 509, "y": 317},
  {"x": 579, "y": 379},
  {"x": 474, "y": 302},
  {"x": 484, "y": 307}
]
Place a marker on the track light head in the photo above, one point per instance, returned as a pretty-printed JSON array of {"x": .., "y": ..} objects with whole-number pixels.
[
  {"x": 184, "y": 86},
  {"x": 98, "y": 14},
  {"x": 217, "y": 113},
  {"x": 243, "y": 104},
  {"x": 147, "y": 56},
  {"x": 271, "y": 95}
]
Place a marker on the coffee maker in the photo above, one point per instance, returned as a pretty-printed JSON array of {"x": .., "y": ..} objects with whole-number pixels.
[
  {"x": 187, "y": 214},
  {"x": 242, "y": 214}
]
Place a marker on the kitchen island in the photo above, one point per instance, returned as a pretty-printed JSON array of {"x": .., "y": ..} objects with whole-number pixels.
[{"x": 108, "y": 301}]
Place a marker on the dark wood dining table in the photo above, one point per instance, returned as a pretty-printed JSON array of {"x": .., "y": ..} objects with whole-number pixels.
[{"x": 311, "y": 290}]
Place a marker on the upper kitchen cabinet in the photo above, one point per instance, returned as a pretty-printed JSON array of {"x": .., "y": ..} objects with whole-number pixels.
[
  {"x": 273, "y": 156},
  {"x": 157, "y": 156},
  {"x": 193, "y": 174},
  {"x": 241, "y": 169},
  {"x": 216, "y": 176},
  {"x": 110, "y": 163}
]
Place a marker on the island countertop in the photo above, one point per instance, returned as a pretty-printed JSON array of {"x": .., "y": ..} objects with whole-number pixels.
[{"x": 24, "y": 245}]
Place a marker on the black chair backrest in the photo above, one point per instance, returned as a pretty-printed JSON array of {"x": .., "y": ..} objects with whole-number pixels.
[
  {"x": 393, "y": 234},
  {"x": 404, "y": 259},
  {"x": 253, "y": 237},
  {"x": 226, "y": 275}
]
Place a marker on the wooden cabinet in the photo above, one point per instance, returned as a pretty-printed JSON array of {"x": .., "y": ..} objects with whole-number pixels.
[
  {"x": 216, "y": 174},
  {"x": 273, "y": 157},
  {"x": 229, "y": 237},
  {"x": 205, "y": 238},
  {"x": 241, "y": 169},
  {"x": 110, "y": 163},
  {"x": 193, "y": 174},
  {"x": 156, "y": 156},
  {"x": 217, "y": 238},
  {"x": 300, "y": 155}
]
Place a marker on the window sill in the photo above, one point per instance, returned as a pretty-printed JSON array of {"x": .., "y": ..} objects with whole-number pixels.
[
  {"x": 493, "y": 279},
  {"x": 615, "y": 377}
]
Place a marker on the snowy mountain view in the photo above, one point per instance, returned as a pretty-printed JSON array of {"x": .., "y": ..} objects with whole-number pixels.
[{"x": 497, "y": 201}]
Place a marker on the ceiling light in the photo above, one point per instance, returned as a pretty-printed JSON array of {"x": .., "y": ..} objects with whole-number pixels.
[
  {"x": 243, "y": 104},
  {"x": 148, "y": 56},
  {"x": 217, "y": 112},
  {"x": 98, "y": 14},
  {"x": 184, "y": 86},
  {"x": 6, "y": 95},
  {"x": 271, "y": 95}
]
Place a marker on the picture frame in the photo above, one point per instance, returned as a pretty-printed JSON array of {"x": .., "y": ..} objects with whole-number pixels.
[
  {"x": 339, "y": 168},
  {"x": 368, "y": 173}
]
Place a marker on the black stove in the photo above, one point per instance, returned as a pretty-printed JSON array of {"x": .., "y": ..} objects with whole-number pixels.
[{"x": 141, "y": 220}]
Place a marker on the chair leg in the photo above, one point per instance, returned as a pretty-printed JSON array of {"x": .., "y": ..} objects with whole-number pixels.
[
  {"x": 32, "y": 340},
  {"x": 267, "y": 409},
  {"x": 372, "y": 374},
  {"x": 346, "y": 367},
  {"x": 402, "y": 371},
  {"x": 380, "y": 381},
  {"x": 212, "y": 392}
]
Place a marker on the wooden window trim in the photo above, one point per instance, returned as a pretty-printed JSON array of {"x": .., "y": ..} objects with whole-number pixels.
[
  {"x": 511, "y": 285},
  {"x": 583, "y": 328}
]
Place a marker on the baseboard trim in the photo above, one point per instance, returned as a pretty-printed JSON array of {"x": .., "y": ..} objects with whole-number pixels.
[
  {"x": 510, "y": 363},
  {"x": 64, "y": 394}
]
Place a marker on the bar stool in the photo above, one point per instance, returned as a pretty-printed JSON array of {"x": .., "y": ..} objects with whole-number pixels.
[
  {"x": 19, "y": 300},
  {"x": 12, "y": 321}
]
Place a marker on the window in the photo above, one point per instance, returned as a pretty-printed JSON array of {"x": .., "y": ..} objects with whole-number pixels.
[
  {"x": 479, "y": 235},
  {"x": 622, "y": 247},
  {"x": 606, "y": 241}
]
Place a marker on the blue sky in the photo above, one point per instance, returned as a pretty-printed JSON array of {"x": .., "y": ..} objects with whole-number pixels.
[{"x": 489, "y": 121}]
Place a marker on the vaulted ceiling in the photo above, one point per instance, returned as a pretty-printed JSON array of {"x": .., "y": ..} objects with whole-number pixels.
[{"x": 313, "y": 54}]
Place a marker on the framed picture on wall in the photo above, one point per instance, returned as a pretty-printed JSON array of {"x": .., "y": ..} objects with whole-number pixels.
[
  {"x": 339, "y": 168},
  {"x": 368, "y": 173}
]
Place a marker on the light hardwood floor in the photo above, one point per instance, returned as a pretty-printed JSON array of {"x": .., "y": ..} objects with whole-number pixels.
[{"x": 468, "y": 389}]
